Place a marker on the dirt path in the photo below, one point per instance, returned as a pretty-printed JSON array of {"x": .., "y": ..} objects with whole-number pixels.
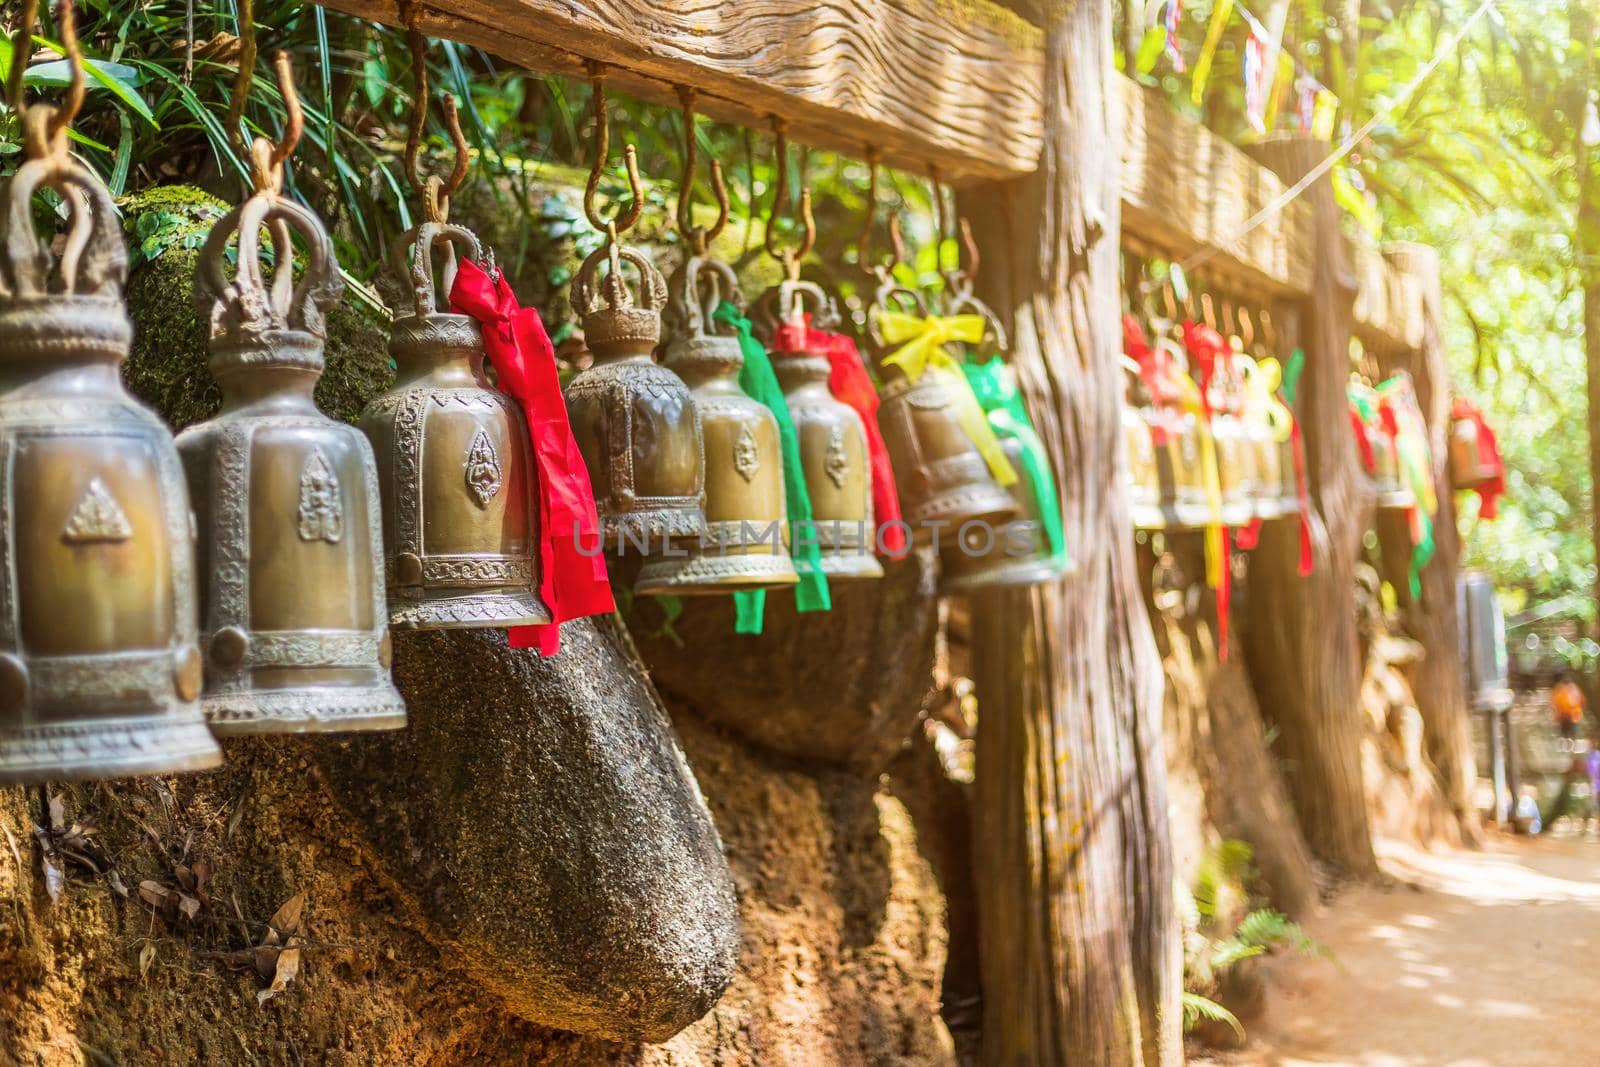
[{"x": 1492, "y": 960}]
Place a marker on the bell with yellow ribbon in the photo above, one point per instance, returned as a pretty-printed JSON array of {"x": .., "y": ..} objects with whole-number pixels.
[
  {"x": 1032, "y": 548},
  {"x": 949, "y": 465}
]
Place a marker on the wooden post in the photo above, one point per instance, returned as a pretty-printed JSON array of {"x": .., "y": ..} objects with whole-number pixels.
[
  {"x": 1431, "y": 619},
  {"x": 1303, "y": 647},
  {"x": 1080, "y": 948}
]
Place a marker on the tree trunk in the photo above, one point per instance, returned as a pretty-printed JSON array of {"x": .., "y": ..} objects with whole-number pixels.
[
  {"x": 1303, "y": 648},
  {"x": 1080, "y": 950},
  {"x": 1431, "y": 620}
]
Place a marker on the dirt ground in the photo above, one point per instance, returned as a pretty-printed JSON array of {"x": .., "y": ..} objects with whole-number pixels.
[{"x": 1468, "y": 959}]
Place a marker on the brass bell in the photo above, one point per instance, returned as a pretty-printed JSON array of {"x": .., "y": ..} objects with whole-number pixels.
[
  {"x": 1380, "y": 452},
  {"x": 295, "y": 626},
  {"x": 459, "y": 529},
  {"x": 1267, "y": 482},
  {"x": 944, "y": 480},
  {"x": 1470, "y": 466},
  {"x": 639, "y": 429},
  {"x": 100, "y": 671},
  {"x": 1030, "y": 549},
  {"x": 833, "y": 442},
  {"x": 1235, "y": 446},
  {"x": 746, "y": 538},
  {"x": 1145, "y": 484}
]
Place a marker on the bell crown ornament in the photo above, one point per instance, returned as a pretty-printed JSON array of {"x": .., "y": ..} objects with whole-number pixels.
[
  {"x": 99, "y": 668},
  {"x": 292, "y": 606}
]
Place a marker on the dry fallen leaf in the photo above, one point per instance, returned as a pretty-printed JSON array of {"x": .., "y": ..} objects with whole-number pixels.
[
  {"x": 55, "y": 879},
  {"x": 58, "y": 813},
  {"x": 286, "y": 920},
  {"x": 288, "y": 966},
  {"x": 118, "y": 886},
  {"x": 155, "y": 894},
  {"x": 147, "y": 956}
]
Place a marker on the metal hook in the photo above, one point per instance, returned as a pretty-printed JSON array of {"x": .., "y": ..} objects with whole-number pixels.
[
  {"x": 436, "y": 192},
  {"x": 267, "y": 158},
  {"x": 602, "y": 147},
  {"x": 242, "y": 79},
  {"x": 698, "y": 237},
  {"x": 789, "y": 257},
  {"x": 21, "y": 48},
  {"x": 66, "y": 16},
  {"x": 940, "y": 229}
]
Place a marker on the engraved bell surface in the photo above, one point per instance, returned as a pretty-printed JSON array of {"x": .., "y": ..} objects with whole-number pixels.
[
  {"x": 833, "y": 442},
  {"x": 292, "y": 601},
  {"x": 638, "y": 427},
  {"x": 746, "y": 540},
  {"x": 460, "y": 529},
  {"x": 100, "y": 670}
]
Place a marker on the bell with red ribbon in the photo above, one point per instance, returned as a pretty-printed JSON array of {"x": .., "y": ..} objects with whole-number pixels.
[
  {"x": 833, "y": 437},
  {"x": 459, "y": 531}
]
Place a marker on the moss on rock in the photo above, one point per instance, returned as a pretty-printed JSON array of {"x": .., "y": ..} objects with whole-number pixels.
[{"x": 167, "y": 367}]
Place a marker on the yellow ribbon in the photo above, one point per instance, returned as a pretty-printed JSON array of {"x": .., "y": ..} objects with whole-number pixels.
[
  {"x": 922, "y": 340},
  {"x": 1261, "y": 382}
]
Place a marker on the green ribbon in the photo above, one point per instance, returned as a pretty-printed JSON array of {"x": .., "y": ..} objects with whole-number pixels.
[
  {"x": 760, "y": 383},
  {"x": 1001, "y": 400},
  {"x": 1291, "y": 375}
]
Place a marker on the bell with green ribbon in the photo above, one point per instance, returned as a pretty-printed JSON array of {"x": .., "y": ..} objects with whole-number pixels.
[
  {"x": 1032, "y": 548},
  {"x": 745, "y": 542},
  {"x": 949, "y": 464}
]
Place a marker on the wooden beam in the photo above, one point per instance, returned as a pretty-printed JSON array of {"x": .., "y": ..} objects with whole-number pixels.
[
  {"x": 952, "y": 82},
  {"x": 1389, "y": 302},
  {"x": 1185, "y": 189}
]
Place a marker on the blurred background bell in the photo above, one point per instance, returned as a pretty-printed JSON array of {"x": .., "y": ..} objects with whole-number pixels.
[
  {"x": 100, "y": 672},
  {"x": 295, "y": 626},
  {"x": 459, "y": 527}
]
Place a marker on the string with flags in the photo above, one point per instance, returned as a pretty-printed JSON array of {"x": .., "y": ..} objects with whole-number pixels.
[{"x": 1316, "y": 106}]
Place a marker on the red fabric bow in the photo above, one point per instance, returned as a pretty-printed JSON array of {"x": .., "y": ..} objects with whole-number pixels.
[
  {"x": 1488, "y": 455},
  {"x": 851, "y": 385},
  {"x": 571, "y": 583}
]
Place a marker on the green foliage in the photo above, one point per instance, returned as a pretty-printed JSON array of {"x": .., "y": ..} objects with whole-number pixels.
[{"x": 1215, "y": 941}]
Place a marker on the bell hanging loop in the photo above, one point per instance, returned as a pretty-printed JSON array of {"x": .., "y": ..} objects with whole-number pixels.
[{"x": 100, "y": 670}]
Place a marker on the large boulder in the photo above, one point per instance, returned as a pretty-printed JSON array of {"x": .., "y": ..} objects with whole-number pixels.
[{"x": 543, "y": 827}]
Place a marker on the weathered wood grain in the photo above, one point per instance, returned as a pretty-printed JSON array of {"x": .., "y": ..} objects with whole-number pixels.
[
  {"x": 956, "y": 82},
  {"x": 1389, "y": 302},
  {"x": 1185, "y": 189}
]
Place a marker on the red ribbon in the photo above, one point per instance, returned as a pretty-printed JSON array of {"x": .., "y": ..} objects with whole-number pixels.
[
  {"x": 1488, "y": 455},
  {"x": 1369, "y": 458},
  {"x": 851, "y": 385},
  {"x": 571, "y": 583}
]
